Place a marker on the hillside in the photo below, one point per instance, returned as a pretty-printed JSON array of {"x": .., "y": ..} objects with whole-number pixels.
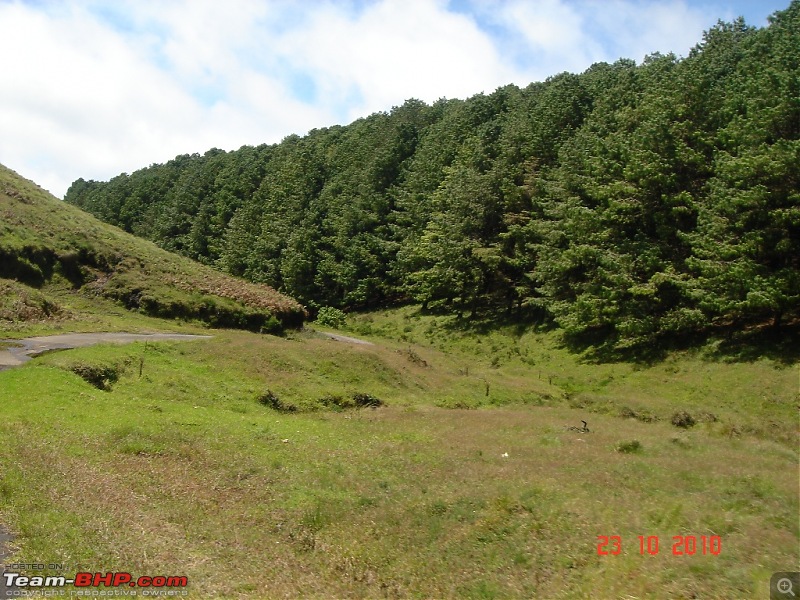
[
  {"x": 631, "y": 205},
  {"x": 48, "y": 248}
]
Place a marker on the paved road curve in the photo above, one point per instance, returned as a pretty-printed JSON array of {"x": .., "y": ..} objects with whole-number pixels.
[{"x": 344, "y": 338}]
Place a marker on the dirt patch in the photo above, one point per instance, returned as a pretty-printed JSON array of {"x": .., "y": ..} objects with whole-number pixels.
[{"x": 9, "y": 355}]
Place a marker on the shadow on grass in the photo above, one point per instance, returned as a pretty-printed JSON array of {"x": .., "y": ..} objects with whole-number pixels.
[
  {"x": 779, "y": 344},
  {"x": 602, "y": 345},
  {"x": 484, "y": 323}
]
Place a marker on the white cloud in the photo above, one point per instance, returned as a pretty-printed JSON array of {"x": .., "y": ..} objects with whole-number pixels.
[
  {"x": 394, "y": 50},
  {"x": 569, "y": 35},
  {"x": 636, "y": 30},
  {"x": 85, "y": 99},
  {"x": 554, "y": 32}
]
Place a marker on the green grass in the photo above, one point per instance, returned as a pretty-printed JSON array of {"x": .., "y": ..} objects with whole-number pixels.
[
  {"x": 726, "y": 397},
  {"x": 183, "y": 471}
]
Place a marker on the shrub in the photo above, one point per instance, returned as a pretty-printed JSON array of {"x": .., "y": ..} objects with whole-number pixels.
[
  {"x": 362, "y": 400},
  {"x": 331, "y": 317},
  {"x": 631, "y": 447},
  {"x": 679, "y": 441},
  {"x": 354, "y": 401},
  {"x": 456, "y": 403},
  {"x": 270, "y": 399},
  {"x": 707, "y": 417},
  {"x": 627, "y": 412},
  {"x": 336, "y": 401},
  {"x": 683, "y": 419},
  {"x": 413, "y": 357},
  {"x": 100, "y": 376}
]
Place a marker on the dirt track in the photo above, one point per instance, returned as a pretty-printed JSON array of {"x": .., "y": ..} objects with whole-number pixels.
[
  {"x": 344, "y": 338},
  {"x": 21, "y": 351}
]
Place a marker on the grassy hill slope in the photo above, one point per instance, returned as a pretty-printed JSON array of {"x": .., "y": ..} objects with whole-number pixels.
[{"x": 47, "y": 245}]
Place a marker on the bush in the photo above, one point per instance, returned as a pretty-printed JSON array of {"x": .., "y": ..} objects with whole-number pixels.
[
  {"x": 270, "y": 399},
  {"x": 362, "y": 400},
  {"x": 19, "y": 302},
  {"x": 100, "y": 376},
  {"x": 707, "y": 417},
  {"x": 354, "y": 401},
  {"x": 336, "y": 401},
  {"x": 683, "y": 419},
  {"x": 331, "y": 317},
  {"x": 644, "y": 416},
  {"x": 456, "y": 403},
  {"x": 631, "y": 447}
]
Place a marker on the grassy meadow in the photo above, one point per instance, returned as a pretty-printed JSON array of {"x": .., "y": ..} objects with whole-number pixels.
[{"x": 466, "y": 483}]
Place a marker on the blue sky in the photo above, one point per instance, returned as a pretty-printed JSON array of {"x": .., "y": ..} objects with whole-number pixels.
[{"x": 92, "y": 88}]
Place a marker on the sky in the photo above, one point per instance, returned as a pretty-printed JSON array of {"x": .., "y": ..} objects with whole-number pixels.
[{"x": 94, "y": 88}]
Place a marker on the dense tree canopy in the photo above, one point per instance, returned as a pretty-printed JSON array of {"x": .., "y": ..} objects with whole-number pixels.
[{"x": 631, "y": 201}]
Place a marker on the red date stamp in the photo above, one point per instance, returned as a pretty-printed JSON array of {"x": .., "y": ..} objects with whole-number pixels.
[{"x": 682, "y": 545}]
